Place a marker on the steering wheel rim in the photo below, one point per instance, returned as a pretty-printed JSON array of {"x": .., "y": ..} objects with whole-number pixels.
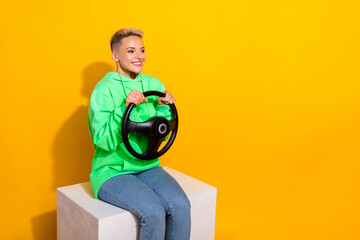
[{"x": 155, "y": 130}]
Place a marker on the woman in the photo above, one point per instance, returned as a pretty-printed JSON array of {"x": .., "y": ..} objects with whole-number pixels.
[{"x": 118, "y": 178}]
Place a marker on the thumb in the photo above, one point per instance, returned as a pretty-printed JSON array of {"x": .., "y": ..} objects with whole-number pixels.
[{"x": 161, "y": 100}]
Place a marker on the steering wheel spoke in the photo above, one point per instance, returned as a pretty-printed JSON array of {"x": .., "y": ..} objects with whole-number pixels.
[
  {"x": 154, "y": 147},
  {"x": 144, "y": 128},
  {"x": 173, "y": 123}
]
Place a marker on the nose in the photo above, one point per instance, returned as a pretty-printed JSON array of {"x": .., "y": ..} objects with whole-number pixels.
[{"x": 139, "y": 55}]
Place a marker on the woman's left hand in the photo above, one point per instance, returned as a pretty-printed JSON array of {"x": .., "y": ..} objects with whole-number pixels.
[{"x": 168, "y": 99}]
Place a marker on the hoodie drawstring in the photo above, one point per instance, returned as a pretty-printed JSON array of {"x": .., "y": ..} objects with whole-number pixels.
[
  {"x": 142, "y": 87},
  {"x": 147, "y": 106}
]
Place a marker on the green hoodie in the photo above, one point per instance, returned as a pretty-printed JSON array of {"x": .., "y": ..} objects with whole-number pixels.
[{"x": 107, "y": 107}]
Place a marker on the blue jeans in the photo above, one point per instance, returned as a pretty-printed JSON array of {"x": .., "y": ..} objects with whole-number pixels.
[{"x": 155, "y": 198}]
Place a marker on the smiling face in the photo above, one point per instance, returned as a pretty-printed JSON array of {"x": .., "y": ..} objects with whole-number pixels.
[{"x": 129, "y": 56}]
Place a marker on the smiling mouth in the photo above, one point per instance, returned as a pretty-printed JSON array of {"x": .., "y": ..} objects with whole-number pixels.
[{"x": 137, "y": 63}]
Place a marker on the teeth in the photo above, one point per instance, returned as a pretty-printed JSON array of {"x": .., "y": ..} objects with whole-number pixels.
[{"x": 137, "y": 63}]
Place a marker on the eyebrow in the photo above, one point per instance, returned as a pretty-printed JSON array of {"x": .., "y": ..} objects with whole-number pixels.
[{"x": 133, "y": 48}]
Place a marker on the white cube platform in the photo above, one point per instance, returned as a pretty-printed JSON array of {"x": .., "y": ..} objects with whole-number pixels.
[{"x": 82, "y": 217}]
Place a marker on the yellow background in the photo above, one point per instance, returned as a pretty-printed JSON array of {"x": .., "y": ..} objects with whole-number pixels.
[{"x": 267, "y": 94}]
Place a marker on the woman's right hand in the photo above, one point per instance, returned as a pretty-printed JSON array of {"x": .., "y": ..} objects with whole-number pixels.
[{"x": 135, "y": 97}]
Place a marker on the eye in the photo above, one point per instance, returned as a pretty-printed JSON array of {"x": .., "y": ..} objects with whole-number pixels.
[
  {"x": 131, "y": 51},
  {"x": 143, "y": 50}
]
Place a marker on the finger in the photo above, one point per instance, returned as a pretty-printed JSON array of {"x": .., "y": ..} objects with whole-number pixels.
[
  {"x": 161, "y": 100},
  {"x": 137, "y": 96},
  {"x": 135, "y": 91},
  {"x": 135, "y": 100},
  {"x": 140, "y": 99},
  {"x": 172, "y": 100},
  {"x": 168, "y": 96},
  {"x": 140, "y": 96},
  {"x": 144, "y": 99}
]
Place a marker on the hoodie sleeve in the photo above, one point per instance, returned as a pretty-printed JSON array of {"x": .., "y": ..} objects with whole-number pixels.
[{"x": 105, "y": 121}]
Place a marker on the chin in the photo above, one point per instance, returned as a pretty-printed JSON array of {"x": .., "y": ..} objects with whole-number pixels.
[{"x": 136, "y": 70}]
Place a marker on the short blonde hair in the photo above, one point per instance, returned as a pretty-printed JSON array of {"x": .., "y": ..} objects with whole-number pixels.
[{"x": 123, "y": 33}]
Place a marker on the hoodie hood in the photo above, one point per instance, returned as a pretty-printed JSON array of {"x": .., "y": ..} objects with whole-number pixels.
[
  {"x": 117, "y": 76},
  {"x": 128, "y": 84}
]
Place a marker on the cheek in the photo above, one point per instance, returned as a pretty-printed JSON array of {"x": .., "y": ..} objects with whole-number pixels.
[{"x": 125, "y": 59}]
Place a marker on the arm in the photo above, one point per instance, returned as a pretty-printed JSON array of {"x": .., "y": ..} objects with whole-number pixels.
[{"x": 105, "y": 121}]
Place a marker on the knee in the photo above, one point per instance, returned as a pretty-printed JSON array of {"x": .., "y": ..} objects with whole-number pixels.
[
  {"x": 154, "y": 215},
  {"x": 180, "y": 204}
]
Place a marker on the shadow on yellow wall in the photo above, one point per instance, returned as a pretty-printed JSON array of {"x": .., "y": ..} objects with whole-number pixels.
[
  {"x": 72, "y": 150},
  {"x": 44, "y": 226}
]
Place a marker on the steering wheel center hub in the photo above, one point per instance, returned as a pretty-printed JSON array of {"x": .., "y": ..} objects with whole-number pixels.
[{"x": 161, "y": 128}]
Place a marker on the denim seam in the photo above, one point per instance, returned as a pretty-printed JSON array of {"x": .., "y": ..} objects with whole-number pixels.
[{"x": 170, "y": 209}]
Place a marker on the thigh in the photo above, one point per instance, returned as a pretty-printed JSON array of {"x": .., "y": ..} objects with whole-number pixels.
[
  {"x": 128, "y": 192},
  {"x": 165, "y": 186}
]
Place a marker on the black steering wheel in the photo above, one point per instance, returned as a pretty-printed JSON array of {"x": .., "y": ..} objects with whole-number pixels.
[{"x": 155, "y": 130}]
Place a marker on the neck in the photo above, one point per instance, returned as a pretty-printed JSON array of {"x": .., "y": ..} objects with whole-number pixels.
[{"x": 125, "y": 73}]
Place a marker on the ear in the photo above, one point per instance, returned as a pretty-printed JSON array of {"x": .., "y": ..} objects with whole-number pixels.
[{"x": 114, "y": 56}]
